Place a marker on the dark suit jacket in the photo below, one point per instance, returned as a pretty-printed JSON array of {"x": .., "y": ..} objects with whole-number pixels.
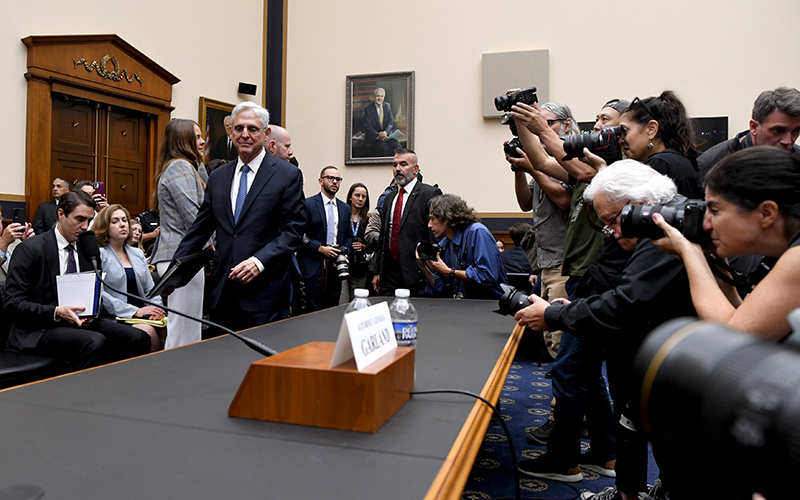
[
  {"x": 222, "y": 151},
  {"x": 30, "y": 295},
  {"x": 413, "y": 229},
  {"x": 270, "y": 228},
  {"x": 308, "y": 257},
  {"x": 372, "y": 125},
  {"x": 46, "y": 217}
]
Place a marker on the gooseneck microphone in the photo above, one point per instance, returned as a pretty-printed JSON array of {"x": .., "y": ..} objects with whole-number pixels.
[{"x": 90, "y": 250}]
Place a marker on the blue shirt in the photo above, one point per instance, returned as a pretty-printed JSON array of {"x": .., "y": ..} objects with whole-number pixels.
[{"x": 482, "y": 263}]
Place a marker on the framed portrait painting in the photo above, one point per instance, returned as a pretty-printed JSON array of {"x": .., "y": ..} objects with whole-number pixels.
[
  {"x": 379, "y": 117},
  {"x": 212, "y": 121}
]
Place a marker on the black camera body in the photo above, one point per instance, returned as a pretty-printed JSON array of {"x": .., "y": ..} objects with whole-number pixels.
[
  {"x": 511, "y": 146},
  {"x": 525, "y": 96},
  {"x": 636, "y": 221},
  {"x": 512, "y": 300},
  {"x": 428, "y": 251},
  {"x": 359, "y": 256},
  {"x": 604, "y": 144}
]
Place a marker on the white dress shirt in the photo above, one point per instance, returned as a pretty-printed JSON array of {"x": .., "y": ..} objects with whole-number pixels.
[
  {"x": 407, "y": 188},
  {"x": 251, "y": 176},
  {"x": 63, "y": 254},
  {"x": 326, "y": 202}
]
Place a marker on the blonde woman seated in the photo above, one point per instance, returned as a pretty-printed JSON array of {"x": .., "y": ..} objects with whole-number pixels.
[{"x": 126, "y": 269}]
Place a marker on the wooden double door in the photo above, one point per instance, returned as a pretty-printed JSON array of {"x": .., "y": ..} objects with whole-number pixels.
[{"x": 99, "y": 142}]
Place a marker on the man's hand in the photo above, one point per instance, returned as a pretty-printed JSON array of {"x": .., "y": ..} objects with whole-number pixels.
[
  {"x": 14, "y": 231},
  {"x": 532, "y": 279},
  {"x": 328, "y": 251},
  {"x": 376, "y": 282},
  {"x": 383, "y": 136},
  {"x": 438, "y": 266},
  {"x": 593, "y": 160},
  {"x": 530, "y": 116},
  {"x": 244, "y": 272},
  {"x": 28, "y": 231},
  {"x": 523, "y": 163},
  {"x": 533, "y": 315},
  {"x": 152, "y": 312},
  {"x": 100, "y": 201},
  {"x": 70, "y": 314}
]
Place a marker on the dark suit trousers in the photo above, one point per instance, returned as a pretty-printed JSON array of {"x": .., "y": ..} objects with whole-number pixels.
[
  {"x": 229, "y": 313},
  {"x": 392, "y": 279},
  {"x": 324, "y": 288},
  {"x": 103, "y": 341}
]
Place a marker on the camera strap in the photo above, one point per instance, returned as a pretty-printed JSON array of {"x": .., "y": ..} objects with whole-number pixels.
[
  {"x": 742, "y": 283},
  {"x": 458, "y": 285}
]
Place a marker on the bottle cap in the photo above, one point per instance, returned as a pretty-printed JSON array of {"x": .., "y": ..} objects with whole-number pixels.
[
  {"x": 361, "y": 293},
  {"x": 402, "y": 293}
]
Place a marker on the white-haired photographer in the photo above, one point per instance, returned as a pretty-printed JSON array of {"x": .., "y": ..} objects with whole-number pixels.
[
  {"x": 649, "y": 289},
  {"x": 752, "y": 208}
]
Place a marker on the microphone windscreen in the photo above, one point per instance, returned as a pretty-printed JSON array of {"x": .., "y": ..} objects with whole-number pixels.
[{"x": 88, "y": 246}]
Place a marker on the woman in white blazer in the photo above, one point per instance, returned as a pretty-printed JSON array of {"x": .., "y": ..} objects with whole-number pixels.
[{"x": 126, "y": 269}]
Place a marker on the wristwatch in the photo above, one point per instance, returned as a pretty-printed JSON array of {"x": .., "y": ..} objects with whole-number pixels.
[{"x": 452, "y": 273}]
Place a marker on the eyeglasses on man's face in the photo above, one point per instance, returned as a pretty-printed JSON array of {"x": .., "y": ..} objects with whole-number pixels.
[{"x": 332, "y": 178}]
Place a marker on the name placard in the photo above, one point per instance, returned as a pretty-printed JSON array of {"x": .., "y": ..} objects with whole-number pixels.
[{"x": 366, "y": 335}]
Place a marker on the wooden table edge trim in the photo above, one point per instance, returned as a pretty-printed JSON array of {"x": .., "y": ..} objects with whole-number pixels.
[{"x": 449, "y": 482}]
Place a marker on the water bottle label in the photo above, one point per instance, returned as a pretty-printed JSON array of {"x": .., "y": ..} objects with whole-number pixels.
[{"x": 405, "y": 332}]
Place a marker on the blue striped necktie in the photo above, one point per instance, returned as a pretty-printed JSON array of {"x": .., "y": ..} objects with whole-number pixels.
[
  {"x": 331, "y": 224},
  {"x": 240, "y": 197}
]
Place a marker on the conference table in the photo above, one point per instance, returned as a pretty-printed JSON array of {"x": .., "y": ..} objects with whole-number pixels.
[{"x": 157, "y": 426}]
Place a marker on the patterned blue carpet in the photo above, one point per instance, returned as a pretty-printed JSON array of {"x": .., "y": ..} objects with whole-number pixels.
[{"x": 525, "y": 405}]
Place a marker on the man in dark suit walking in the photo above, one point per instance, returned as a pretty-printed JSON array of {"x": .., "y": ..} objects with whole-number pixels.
[
  {"x": 328, "y": 227},
  {"x": 39, "y": 324},
  {"x": 47, "y": 213},
  {"x": 408, "y": 204},
  {"x": 255, "y": 204},
  {"x": 378, "y": 124}
]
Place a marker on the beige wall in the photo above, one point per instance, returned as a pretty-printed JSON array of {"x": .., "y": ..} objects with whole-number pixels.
[
  {"x": 717, "y": 56},
  {"x": 202, "y": 42}
]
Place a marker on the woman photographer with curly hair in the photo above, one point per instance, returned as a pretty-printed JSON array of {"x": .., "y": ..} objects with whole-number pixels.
[
  {"x": 657, "y": 131},
  {"x": 752, "y": 208}
]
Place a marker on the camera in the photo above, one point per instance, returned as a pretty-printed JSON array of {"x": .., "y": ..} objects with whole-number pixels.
[
  {"x": 725, "y": 402},
  {"x": 604, "y": 144},
  {"x": 506, "y": 119},
  {"x": 342, "y": 269},
  {"x": 428, "y": 251},
  {"x": 525, "y": 96},
  {"x": 512, "y": 300},
  {"x": 359, "y": 256},
  {"x": 511, "y": 146},
  {"x": 636, "y": 221}
]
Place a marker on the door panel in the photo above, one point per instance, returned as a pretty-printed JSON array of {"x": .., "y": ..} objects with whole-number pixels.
[
  {"x": 73, "y": 127},
  {"x": 97, "y": 142},
  {"x": 71, "y": 167}
]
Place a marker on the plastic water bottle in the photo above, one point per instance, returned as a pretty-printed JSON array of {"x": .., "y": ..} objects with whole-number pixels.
[
  {"x": 360, "y": 301},
  {"x": 404, "y": 319}
]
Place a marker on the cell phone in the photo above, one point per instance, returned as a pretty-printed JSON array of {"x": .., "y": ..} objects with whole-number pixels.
[
  {"x": 99, "y": 188},
  {"x": 19, "y": 216}
]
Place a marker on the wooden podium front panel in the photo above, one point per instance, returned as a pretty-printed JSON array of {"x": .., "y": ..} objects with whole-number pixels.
[{"x": 298, "y": 387}]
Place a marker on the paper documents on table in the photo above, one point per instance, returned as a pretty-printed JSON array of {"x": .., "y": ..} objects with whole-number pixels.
[{"x": 80, "y": 289}]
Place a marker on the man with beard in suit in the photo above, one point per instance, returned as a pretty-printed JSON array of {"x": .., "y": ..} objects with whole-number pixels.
[
  {"x": 404, "y": 223},
  {"x": 327, "y": 230}
]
